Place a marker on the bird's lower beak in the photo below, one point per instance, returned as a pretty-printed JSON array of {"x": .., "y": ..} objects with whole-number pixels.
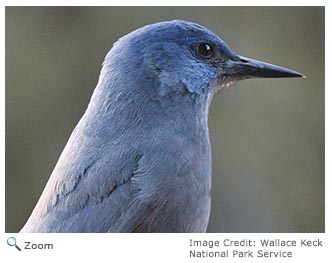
[{"x": 244, "y": 67}]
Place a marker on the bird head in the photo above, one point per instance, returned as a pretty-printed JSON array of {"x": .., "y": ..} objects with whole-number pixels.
[{"x": 184, "y": 57}]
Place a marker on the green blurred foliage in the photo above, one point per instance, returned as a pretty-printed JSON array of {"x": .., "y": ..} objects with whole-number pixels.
[{"x": 267, "y": 135}]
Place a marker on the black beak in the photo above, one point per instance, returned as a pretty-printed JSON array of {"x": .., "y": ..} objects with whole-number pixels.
[{"x": 243, "y": 67}]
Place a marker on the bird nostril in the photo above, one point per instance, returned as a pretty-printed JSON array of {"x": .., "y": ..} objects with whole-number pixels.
[{"x": 243, "y": 60}]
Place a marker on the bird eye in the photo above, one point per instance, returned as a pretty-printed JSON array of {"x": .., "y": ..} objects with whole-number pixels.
[{"x": 205, "y": 50}]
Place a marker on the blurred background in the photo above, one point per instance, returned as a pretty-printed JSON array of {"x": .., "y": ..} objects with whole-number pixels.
[{"x": 267, "y": 135}]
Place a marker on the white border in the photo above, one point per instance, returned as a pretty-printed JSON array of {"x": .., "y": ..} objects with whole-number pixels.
[{"x": 156, "y": 247}]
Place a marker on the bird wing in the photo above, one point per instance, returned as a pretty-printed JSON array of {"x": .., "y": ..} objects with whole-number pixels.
[{"x": 90, "y": 192}]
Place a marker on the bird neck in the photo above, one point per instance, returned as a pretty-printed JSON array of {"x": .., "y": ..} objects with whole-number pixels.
[{"x": 114, "y": 110}]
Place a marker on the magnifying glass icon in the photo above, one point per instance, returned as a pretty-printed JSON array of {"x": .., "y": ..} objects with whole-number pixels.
[{"x": 11, "y": 241}]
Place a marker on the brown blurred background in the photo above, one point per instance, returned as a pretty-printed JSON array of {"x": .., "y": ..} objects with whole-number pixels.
[{"x": 267, "y": 135}]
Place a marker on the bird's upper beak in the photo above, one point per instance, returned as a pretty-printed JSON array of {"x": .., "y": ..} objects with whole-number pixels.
[{"x": 242, "y": 68}]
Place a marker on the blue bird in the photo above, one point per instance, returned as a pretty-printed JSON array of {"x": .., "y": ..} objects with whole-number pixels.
[{"x": 139, "y": 160}]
